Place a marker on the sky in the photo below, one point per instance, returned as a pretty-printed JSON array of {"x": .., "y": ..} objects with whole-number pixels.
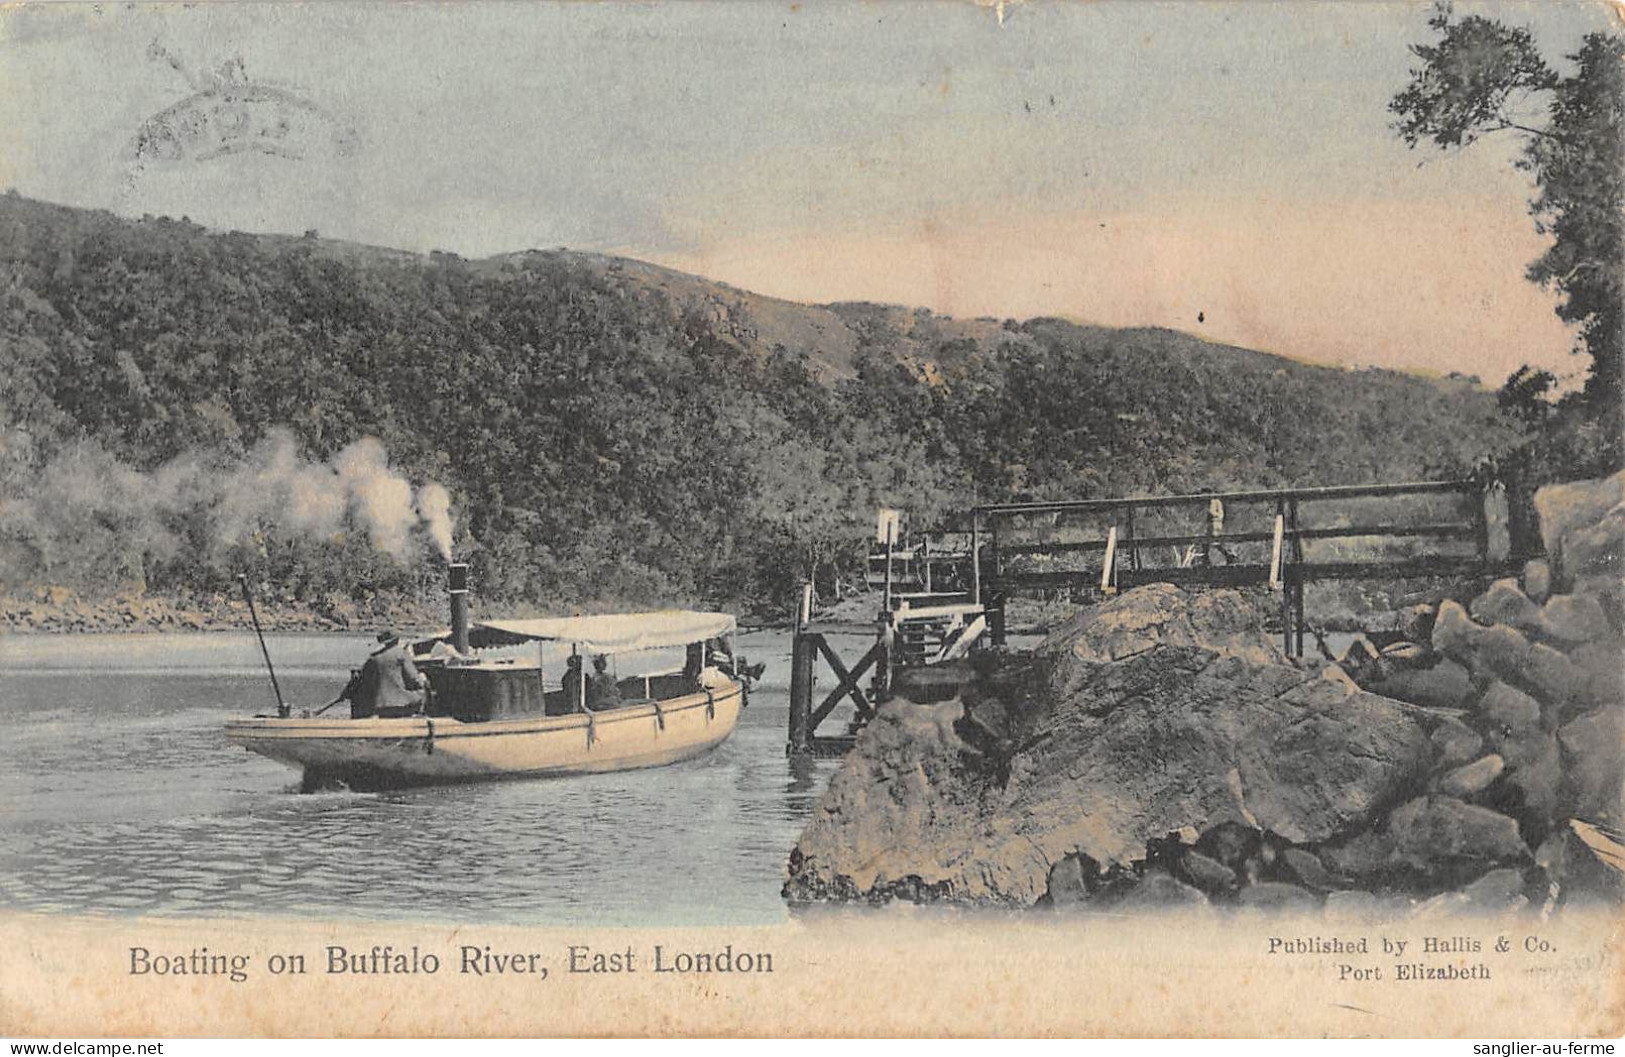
[{"x": 1227, "y": 169}]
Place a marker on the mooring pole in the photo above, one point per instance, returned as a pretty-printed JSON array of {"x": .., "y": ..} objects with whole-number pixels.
[
  {"x": 891, "y": 541},
  {"x": 802, "y": 657},
  {"x": 885, "y": 640},
  {"x": 1481, "y": 523},
  {"x": 1133, "y": 549},
  {"x": 1108, "y": 567},
  {"x": 1278, "y": 576},
  {"x": 976, "y": 557},
  {"x": 998, "y": 593},
  {"x": 1297, "y": 580},
  {"x": 248, "y": 596}
]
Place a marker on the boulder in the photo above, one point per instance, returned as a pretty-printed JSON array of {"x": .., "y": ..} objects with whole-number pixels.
[
  {"x": 1277, "y": 896},
  {"x": 1556, "y": 680},
  {"x": 1158, "y": 891},
  {"x": 1416, "y": 622},
  {"x": 1572, "y": 620},
  {"x": 1433, "y": 838},
  {"x": 1472, "y": 778},
  {"x": 1499, "y": 649},
  {"x": 1583, "y": 526},
  {"x": 1232, "y": 844},
  {"x": 1600, "y": 668},
  {"x": 1508, "y": 708},
  {"x": 1360, "y": 656},
  {"x": 1163, "y": 615},
  {"x": 1505, "y": 603},
  {"x": 1210, "y": 875},
  {"x": 1119, "y": 738},
  {"x": 1535, "y": 771},
  {"x": 1537, "y": 579},
  {"x": 1593, "y": 748},
  {"x": 1609, "y": 592},
  {"x": 1583, "y": 865},
  {"x": 1595, "y": 549},
  {"x": 1308, "y": 868},
  {"x": 1334, "y": 674},
  {"x": 1454, "y": 742},
  {"x": 1497, "y": 892},
  {"x": 1445, "y": 685},
  {"x": 1454, "y": 633},
  {"x": 1067, "y": 886},
  {"x": 906, "y": 777},
  {"x": 1518, "y": 748}
]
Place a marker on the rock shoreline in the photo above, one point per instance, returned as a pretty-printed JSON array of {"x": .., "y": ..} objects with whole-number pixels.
[{"x": 1159, "y": 751}]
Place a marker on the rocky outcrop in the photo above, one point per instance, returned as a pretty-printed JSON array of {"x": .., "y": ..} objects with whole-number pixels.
[
  {"x": 1527, "y": 681},
  {"x": 1157, "y": 751},
  {"x": 1582, "y": 525},
  {"x": 1156, "y": 713}
]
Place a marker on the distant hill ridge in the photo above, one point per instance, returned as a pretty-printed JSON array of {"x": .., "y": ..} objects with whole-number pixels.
[{"x": 609, "y": 429}]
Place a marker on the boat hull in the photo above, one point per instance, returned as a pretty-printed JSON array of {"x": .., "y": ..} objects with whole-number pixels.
[{"x": 422, "y": 750}]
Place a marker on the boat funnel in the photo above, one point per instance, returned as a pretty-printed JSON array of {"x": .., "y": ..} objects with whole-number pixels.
[{"x": 457, "y": 575}]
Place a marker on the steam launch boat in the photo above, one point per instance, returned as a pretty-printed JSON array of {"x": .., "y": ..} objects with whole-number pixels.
[{"x": 515, "y": 698}]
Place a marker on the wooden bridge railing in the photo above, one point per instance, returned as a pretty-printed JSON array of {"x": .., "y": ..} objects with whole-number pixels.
[
  {"x": 1016, "y": 547},
  {"x": 1019, "y": 555}
]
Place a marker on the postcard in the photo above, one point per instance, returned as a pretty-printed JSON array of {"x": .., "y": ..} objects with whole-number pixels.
[{"x": 775, "y": 519}]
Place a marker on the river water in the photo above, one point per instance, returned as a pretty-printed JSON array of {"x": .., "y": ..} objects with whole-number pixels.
[{"x": 119, "y": 795}]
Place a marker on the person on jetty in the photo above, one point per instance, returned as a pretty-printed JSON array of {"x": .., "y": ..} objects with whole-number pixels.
[
  {"x": 389, "y": 684},
  {"x": 602, "y": 692}
]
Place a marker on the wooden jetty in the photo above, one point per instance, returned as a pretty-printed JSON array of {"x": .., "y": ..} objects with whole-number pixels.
[{"x": 936, "y": 606}]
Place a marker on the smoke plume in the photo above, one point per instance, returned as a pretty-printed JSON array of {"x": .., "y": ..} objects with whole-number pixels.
[
  {"x": 87, "y": 511},
  {"x": 434, "y": 507},
  {"x": 276, "y": 489}
]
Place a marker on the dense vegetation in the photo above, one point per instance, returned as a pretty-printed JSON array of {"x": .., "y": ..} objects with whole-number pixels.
[
  {"x": 1480, "y": 77},
  {"x": 610, "y": 433}
]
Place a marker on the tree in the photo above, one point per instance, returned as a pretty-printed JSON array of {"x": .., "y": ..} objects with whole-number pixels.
[{"x": 1482, "y": 77}]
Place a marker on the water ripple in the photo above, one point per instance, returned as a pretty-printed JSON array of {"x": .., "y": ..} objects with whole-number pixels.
[{"x": 119, "y": 795}]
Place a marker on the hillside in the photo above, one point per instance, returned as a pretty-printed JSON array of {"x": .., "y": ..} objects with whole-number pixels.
[{"x": 183, "y": 404}]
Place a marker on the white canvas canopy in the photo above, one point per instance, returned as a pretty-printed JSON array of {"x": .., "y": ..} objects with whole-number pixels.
[{"x": 608, "y": 633}]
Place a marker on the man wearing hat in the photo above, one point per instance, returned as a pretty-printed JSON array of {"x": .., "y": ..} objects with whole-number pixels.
[{"x": 389, "y": 684}]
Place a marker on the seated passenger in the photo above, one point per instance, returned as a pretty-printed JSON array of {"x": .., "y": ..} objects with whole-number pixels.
[
  {"x": 602, "y": 693},
  {"x": 693, "y": 661},
  {"x": 714, "y": 678},
  {"x": 574, "y": 683}
]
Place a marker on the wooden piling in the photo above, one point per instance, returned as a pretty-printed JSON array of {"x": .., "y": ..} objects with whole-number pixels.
[
  {"x": 891, "y": 542},
  {"x": 976, "y": 557},
  {"x": 1278, "y": 575},
  {"x": 1133, "y": 543},
  {"x": 1297, "y": 579},
  {"x": 1481, "y": 524},
  {"x": 885, "y": 640},
  {"x": 803, "y": 657},
  {"x": 1108, "y": 567}
]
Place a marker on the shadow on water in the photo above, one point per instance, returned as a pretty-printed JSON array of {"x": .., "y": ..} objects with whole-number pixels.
[{"x": 806, "y": 776}]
